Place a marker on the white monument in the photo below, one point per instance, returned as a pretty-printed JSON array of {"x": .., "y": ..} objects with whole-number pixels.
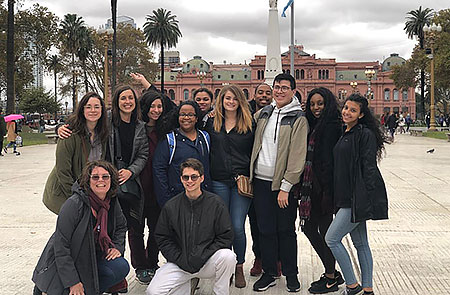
[{"x": 273, "y": 56}]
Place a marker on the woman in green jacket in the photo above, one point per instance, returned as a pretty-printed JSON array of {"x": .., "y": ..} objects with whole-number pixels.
[{"x": 88, "y": 143}]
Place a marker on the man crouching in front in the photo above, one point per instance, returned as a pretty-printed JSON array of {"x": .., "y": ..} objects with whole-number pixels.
[{"x": 194, "y": 233}]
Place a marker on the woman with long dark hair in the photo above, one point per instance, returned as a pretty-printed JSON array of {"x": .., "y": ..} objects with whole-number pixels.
[
  {"x": 89, "y": 125},
  {"x": 316, "y": 189},
  {"x": 183, "y": 140},
  {"x": 359, "y": 191}
]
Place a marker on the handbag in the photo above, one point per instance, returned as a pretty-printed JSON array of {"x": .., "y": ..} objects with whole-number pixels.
[
  {"x": 245, "y": 188},
  {"x": 129, "y": 191}
]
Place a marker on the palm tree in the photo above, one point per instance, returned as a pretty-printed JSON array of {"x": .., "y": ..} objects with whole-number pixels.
[
  {"x": 161, "y": 29},
  {"x": 10, "y": 64},
  {"x": 415, "y": 21},
  {"x": 85, "y": 47},
  {"x": 54, "y": 64},
  {"x": 70, "y": 30}
]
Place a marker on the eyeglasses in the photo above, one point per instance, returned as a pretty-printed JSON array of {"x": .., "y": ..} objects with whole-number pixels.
[
  {"x": 282, "y": 88},
  {"x": 90, "y": 108},
  {"x": 189, "y": 115},
  {"x": 104, "y": 177},
  {"x": 194, "y": 177}
]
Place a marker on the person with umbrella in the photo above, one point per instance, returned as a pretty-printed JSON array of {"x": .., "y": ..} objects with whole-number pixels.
[{"x": 11, "y": 127}]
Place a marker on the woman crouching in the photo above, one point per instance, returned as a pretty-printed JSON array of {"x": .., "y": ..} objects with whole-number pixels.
[{"x": 84, "y": 254}]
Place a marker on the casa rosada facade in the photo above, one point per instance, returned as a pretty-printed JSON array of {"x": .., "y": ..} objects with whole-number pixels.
[{"x": 342, "y": 78}]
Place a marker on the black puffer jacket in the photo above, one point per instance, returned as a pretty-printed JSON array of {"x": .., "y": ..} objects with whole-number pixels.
[
  {"x": 70, "y": 255},
  {"x": 189, "y": 232}
]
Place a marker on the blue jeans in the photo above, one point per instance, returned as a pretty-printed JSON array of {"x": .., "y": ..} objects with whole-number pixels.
[
  {"x": 339, "y": 228},
  {"x": 111, "y": 272},
  {"x": 238, "y": 207},
  {"x": 12, "y": 144}
]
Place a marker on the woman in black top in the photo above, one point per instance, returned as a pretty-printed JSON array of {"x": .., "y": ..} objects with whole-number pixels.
[
  {"x": 359, "y": 190},
  {"x": 316, "y": 190},
  {"x": 231, "y": 132}
]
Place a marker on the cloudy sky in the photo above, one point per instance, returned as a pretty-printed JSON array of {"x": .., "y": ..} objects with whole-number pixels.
[{"x": 235, "y": 30}]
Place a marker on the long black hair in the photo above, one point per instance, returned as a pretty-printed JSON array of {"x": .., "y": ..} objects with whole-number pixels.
[
  {"x": 330, "y": 113},
  {"x": 135, "y": 115},
  {"x": 146, "y": 101},
  {"x": 370, "y": 122},
  {"x": 170, "y": 121}
]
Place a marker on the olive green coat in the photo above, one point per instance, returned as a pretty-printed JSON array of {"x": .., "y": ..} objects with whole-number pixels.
[{"x": 71, "y": 157}]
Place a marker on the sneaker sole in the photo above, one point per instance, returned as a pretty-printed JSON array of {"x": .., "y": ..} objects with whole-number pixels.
[
  {"x": 265, "y": 288},
  {"x": 293, "y": 290},
  {"x": 141, "y": 282},
  {"x": 332, "y": 289}
]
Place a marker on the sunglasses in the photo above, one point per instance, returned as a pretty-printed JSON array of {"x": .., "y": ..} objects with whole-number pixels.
[
  {"x": 104, "y": 177},
  {"x": 194, "y": 177}
]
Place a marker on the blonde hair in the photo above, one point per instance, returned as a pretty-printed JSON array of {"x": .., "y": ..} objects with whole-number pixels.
[{"x": 243, "y": 115}]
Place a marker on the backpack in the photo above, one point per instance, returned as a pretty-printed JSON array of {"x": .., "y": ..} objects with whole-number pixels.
[{"x": 173, "y": 142}]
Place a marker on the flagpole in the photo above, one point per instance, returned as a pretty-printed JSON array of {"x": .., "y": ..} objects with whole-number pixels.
[{"x": 292, "y": 39}]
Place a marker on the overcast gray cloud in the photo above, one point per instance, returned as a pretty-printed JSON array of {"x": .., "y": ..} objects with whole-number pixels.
[{"x": 235, "y": 30}]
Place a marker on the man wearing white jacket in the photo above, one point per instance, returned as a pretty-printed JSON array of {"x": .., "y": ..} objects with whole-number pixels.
[{"x": 277, "y": 161}]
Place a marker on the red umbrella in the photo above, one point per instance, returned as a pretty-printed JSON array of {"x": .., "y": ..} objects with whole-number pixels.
[{"x": 13, "y": 117}]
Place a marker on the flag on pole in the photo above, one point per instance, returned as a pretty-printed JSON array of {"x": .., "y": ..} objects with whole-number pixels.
[{"x": 283, "y": 14}]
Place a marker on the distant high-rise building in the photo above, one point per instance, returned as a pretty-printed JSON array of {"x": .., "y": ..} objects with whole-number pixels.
[
  {"x": 38, "y": 68},
  {"x": 171, "y": 58},
  {"x": 121, "y": 19}
]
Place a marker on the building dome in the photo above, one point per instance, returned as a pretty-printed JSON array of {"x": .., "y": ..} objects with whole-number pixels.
[
  {"x": 196, "y": 64},
  {"x": 394, "y": 59}
]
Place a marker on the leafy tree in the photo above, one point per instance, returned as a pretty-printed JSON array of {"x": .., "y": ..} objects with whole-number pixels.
[
  {"x": 84, "y": 49},
  {"x": 161, "y": 29},
  {"x": 415, "y": 21},
  {"x": 404, "y": 76},
  {"x": 54, "y": 65},
  {"x": 37, "y": 100}
]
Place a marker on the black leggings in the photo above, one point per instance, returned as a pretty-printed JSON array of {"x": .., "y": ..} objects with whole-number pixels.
[{"x": 315, "y": 229}]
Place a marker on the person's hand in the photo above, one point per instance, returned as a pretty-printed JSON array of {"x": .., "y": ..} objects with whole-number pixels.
[
  {"x": 77, "y": 289},
  {"x": 64, "y": 131},
  {"x": 113, "y": 253},
  {"x": 124, "y": 175},
  {"x": 212, "y": 114},
  {"x": 283, "y": 199},
  {"x": 303, "y": 106},
  {"x": 141, "y": 79}
]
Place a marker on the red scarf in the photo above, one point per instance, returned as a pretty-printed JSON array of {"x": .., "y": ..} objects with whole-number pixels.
[{"x": 101, "y": 228}]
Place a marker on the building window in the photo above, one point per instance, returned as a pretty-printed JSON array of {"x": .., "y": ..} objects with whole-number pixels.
[
  {"x": 327, "y": 74},
  {"x": 355, "y": 76},
  {"x": 201, "y": 65},
  {"x": 246, "y": 93},
  {"x": 218, "y": 76},
  {"x": 388, "y": 63},
  {"x": 188, "y": 66},
  {"x": 245, "y": 76},
  {"x": 288, "y": 72},
  {"x": 186, "y": 94},
  {"x": 259, "y": 74},
  {"x": 341, "y": 77},
  {"x": 297, "y": 74},
  {"x": 320, "y": 74},
  {"x": 387, "y": 94},
  {"x": 395, "y": 94},
  {"x": 172, "y": 94},
  {"x": 216, "y": 93},
  {"x": 284, "y": 71},
  {"x": 395, "y": 110},
  {"x": 302, "y": 74},
  {"x": 262, "y": 75},
  {"x": 172, "y": 77},
  {"x": 405, "y": 95},
  {"x": 232, "y": 76}
]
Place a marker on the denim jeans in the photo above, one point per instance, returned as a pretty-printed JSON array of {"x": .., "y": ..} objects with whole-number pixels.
[
  {"x": 339, "y": 228},
  {"x": 110, "y": 272},
  {"x": 12, "y": 144},
  {"x": 238, "y": 207}
]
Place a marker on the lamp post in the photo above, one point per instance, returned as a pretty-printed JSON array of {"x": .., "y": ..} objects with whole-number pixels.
[
  {"x": 201, "y": 75},
  {"x": 354, "y": 84},
  {"x": 430, "y": 32},
  {"x": 106, "y": 35},
  {"x": 370, "y": 73},
  {"x": 76, "y": 72}
]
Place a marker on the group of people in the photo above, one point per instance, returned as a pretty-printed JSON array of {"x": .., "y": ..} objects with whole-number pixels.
[{"x": 176, "y": 169}]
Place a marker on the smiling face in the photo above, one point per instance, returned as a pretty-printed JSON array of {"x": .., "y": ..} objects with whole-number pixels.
[
  {"x": 203, "y": 100},
  {"x": 191, "y": 186},
  {"x": 155, "y": 110},
  {"x": 282, "y": 93},
  {"x": 263, "y": 95},
  {"x": 92, "y": 110},
  {"x": 100, "y": 182},
  {"x": 187, "y": 118},
  {"x": 351, "y": 113},
  {"x": 127, "y": 102},
  {"x": 230, "y": 102},
  {"x": 316, "y": 105}
]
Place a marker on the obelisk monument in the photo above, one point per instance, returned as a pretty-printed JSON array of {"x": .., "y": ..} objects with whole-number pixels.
[{"x": 273, "y": 56}]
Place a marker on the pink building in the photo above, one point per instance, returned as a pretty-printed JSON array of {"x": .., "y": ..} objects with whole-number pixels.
[{"x": 310, "y": 72}]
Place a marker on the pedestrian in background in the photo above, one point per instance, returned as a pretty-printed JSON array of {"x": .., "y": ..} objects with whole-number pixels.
[{"x": 2, "y": 130}]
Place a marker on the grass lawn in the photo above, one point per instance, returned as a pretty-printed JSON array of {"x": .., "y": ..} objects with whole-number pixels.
[
  {"x": 436, "y": 134},
  {"x": 29, "y": 137}
]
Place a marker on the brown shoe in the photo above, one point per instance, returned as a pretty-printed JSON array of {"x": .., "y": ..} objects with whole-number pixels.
[
  {"x": 239, "y": 279},
  {"x": 256, "y": 270}
]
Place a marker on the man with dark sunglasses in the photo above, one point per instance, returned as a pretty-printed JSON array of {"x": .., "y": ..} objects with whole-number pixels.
[{"x": 194, "y": 233}]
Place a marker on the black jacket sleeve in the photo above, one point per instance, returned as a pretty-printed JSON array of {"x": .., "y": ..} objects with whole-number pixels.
[
  {"x": 368, "y": 157},
  {"x": 121, "y": 228}
]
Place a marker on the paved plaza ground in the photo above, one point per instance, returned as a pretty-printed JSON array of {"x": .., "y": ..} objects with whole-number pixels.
[{"x": 411, "y": 250}]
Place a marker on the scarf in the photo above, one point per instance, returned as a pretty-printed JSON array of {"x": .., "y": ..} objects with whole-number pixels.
[
  {"x": 307, "y": 182},
  {"x": 101, "y": 228}
]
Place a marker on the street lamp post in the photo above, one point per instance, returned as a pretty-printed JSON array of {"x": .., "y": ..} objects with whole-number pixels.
[
  {"x": 76, "y": 73},
  {"x": 354, "y": 84},
  {"x": 66, "y": 103},
  {"x": 370, "y": 73},
  {"x": 106, "y": 37},
  {"x": 201, "y": 75},
  {"x": 430, "y": 32}
]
